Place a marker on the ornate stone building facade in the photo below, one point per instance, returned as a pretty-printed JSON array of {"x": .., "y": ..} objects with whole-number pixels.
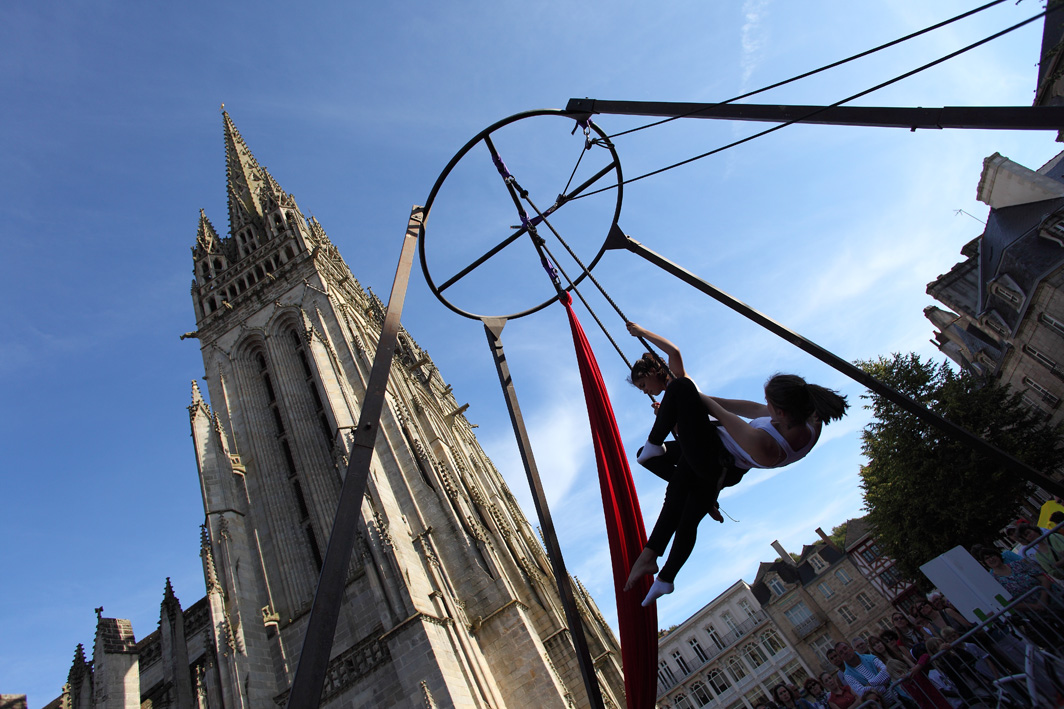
[
  {"x": 1005, "y": 314},
  {"x": 1005, "y": 299},
  {"x": 729, "y": 654},
  {"x": 449, "y": 598},
  {"x": 819, "y": 599}
]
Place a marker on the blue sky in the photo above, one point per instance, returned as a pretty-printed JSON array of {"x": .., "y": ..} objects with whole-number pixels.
[{"x": 112, "y": 142}]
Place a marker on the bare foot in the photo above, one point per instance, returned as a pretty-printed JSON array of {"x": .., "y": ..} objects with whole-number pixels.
[{"x": 646, "y": 564}]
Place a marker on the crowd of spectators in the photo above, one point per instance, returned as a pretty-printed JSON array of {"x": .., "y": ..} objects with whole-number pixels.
[{"x": 934, "y": 658}]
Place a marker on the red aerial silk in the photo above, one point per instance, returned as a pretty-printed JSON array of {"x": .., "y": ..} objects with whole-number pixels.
[{"x": 624, "y": 528}]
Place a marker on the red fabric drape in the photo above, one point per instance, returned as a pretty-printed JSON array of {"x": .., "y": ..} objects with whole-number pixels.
[{"x": 624, "y": 528}]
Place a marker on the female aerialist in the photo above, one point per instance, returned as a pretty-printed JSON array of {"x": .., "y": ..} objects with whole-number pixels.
[{"x": 711, "y": 455}]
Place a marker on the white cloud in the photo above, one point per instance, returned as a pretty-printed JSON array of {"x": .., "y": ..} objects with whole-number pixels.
[{"x": 754, "y": 36}]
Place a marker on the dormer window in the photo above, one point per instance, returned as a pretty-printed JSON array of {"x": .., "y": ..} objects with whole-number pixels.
[
  {"x": 1007, "y": 289},
  {"x": 776, "y": 586},
  {"x": 817, "y": 563},
  {"x": 1052, "y": 229},
  {"x": 993, "y": 321}
]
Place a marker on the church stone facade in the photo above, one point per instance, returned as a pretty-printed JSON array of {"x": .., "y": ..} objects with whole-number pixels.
[{"x": 449, "y": 599}]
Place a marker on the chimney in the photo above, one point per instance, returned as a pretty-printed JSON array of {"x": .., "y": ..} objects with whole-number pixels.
[
  {"x": 827, "y": 539},
  {"x": 783, "y": 553}
]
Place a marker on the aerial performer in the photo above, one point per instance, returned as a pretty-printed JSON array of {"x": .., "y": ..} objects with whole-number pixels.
[{"x": 716, "y": 442}]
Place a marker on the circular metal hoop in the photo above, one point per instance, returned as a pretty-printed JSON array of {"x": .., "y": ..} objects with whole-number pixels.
[{"x": 485, "y": 135}]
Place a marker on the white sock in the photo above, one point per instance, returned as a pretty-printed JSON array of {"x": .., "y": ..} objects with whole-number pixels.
[
  {"x": 650, "y": 450},
  {"x": 658, "y": 589}
]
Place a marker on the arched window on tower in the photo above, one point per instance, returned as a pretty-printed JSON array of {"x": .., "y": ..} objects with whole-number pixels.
[
  {"x": 312, "y": 386},
  {"x": 290, "y": 463}
]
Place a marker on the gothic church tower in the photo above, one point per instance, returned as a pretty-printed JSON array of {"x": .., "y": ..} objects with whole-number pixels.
[{"x": 450, "y": 599}]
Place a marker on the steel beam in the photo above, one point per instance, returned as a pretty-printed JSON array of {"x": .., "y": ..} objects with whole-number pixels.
[
  {"x": 972, "y": 117},
  {"x": 619, "y": 240},
  {"x": 493, "y": 329},
  {"x": 321, "y": 626}
]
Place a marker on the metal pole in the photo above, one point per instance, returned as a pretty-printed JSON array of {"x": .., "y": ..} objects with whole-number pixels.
[
  {"x": 977, "y": 117},
  {"x": 619, "y": 240},
  {"x": 493, "y": 329},
  {"x": 321, "y": 626}
]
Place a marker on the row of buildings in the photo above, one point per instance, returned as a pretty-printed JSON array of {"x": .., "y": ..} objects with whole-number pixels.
[{"x": 753, "y": 636}]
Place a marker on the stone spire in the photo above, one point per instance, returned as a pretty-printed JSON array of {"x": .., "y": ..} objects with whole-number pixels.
[
  {"x": 207, "y": 239},
  {"x": 244, "y": 178}
]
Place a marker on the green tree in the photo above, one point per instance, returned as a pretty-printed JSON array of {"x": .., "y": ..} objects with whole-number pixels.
[
  {"x": 838, "y": 534},
  {"x": 926, "y": 492}
]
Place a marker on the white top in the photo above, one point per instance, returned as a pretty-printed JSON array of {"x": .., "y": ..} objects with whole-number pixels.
[{"x": 743, "y": 459}]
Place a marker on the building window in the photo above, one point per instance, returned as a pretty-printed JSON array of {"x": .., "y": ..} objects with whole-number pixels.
[
  {"x": 890, "y": 577},
  {"x": 1044, "y": 394},
  {"x": 776, "y": 586},
  {"x": 700, "y": 694},
  {"x": 1042, "y": 358},
  {"x": 771, "y": 640},
  {"x": 996, "y": 324},
  {"x": 681, "y": 663},
  {"x": 745, "y": 605},
  {"x": 843, "y": 577},
  {"x": 818, "y": 563},
  {"x": 847, "y": 614},
  {"x": 699, "y": 652},
  {"x": 795, "y": 673},
  {"x": 754, "y": 656},
  {"x": 730, "y": 622},
  {"x": 1030, "y": 402},
  {"x": 1008, "y": 290},
  {"x": 736, "y": 668},
  {"x": 1053, "y": 231},
  {"x": 866, "y": 601},
  {"x": 665, "y": 675},
  {"x": 822, "y": 644},
  {"x": 718, "y": 681},
  {"x": 682, "y": 702},
  {"x": 715, "y": 637},
  {"x": 798, "y": 613},
  {"x": 756, "y": 698},
  {"x": 825, "y": 589},
  {"x": 1052, "y": 323}
]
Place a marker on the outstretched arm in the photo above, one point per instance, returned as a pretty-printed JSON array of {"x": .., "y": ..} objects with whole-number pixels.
[
  {"x": 741, "y": 407},
  {"x": 761, "y": 447},
  {"x": 672, "y": 352}
]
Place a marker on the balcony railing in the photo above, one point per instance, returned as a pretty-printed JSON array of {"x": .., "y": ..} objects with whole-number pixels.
[{"x": 807, "y": 626}]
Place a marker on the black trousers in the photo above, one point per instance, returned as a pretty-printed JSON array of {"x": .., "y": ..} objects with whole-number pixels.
[{"x": 696, "y": 467}]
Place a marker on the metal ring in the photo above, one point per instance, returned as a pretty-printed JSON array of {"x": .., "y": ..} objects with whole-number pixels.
[{"x": 616, "y": 168}]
